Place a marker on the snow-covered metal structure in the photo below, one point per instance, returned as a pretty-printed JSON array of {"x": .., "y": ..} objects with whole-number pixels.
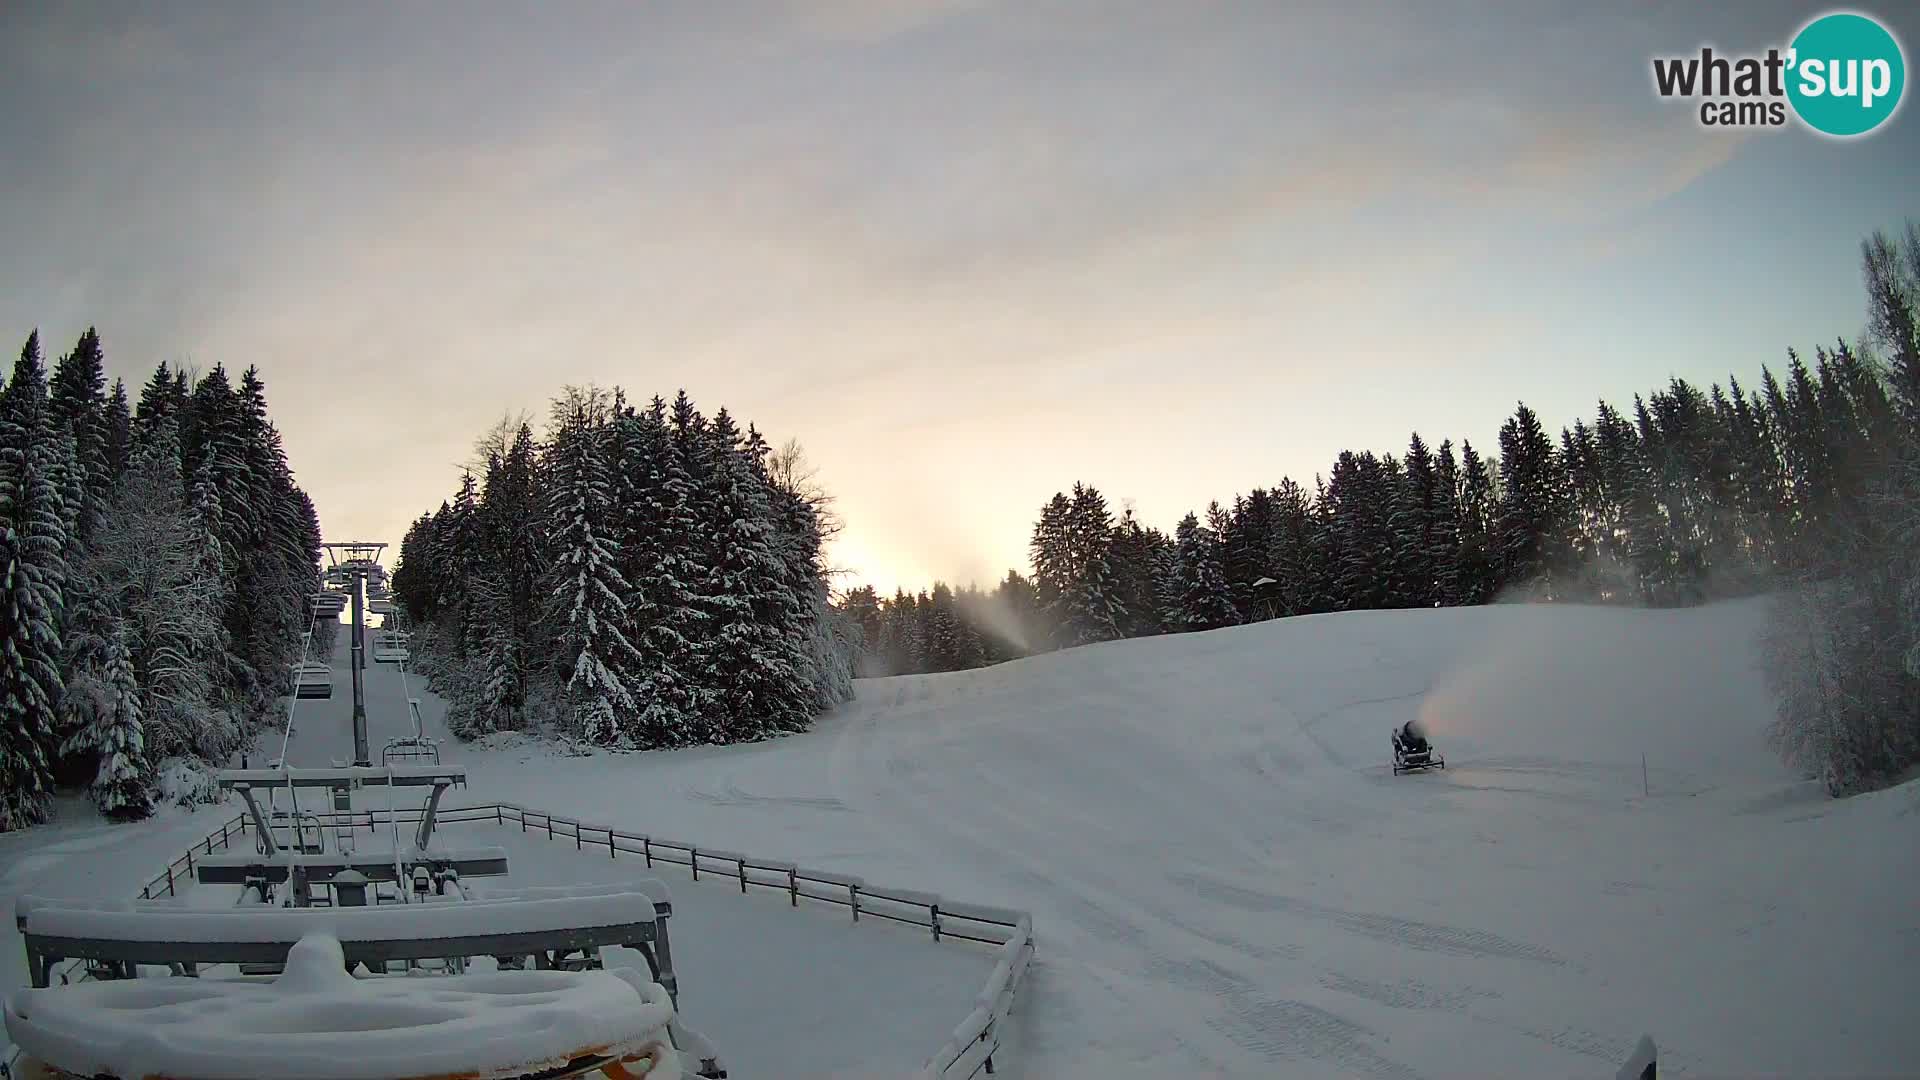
[
  {"x": 306, "y": 973},
  {"x": 390, "y": 648},
  {"x": 312, "y": 679},
  {"x": 318, "y": 1019},
  {"x": 416, "y": 748}
]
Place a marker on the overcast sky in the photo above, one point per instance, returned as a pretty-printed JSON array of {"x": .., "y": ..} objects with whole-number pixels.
[{"x": 967, "y": 252}]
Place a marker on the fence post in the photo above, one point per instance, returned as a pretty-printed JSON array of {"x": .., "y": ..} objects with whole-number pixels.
[
  {"x": 793, "y": 886},
  {"x": 693, "y": 860},
  {"x": 646, "y": 848},
  {"x": 743, "y": 874},
  {"x": 576, "y": 835},
  {"x": 549, "y": 826},
  {"x": 853, "y": 895},
  {"x": 933, "y": 916},
  {"x": 499, "y": 817},
  {"x": 169, "y": 879}
]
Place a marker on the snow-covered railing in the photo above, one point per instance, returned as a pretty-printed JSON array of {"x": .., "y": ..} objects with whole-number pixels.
[
  {"x": 166, "y": 882},
  {"x": 969, "y": 1049}
]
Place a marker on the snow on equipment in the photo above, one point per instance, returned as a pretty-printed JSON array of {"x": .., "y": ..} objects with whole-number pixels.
[
  {"x": 1411, "y": 750},
  {"x": 390, "y": 648},
  {"x": 313, "y": 972},
  {"x": 319, "y": 1020},
  {"x": 314, "y": 969},
  {"x": 312, "y": 679}
]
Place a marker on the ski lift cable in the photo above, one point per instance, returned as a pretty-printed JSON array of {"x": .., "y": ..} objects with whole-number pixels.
[
  {"x": 293, "y": 702},
  {"x": 406, "y": 695}
]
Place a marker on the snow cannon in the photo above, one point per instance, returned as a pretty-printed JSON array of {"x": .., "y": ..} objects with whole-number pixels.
[
  {"x": 318, "y": 1021},
  {"x": 1411, "y": 750}
]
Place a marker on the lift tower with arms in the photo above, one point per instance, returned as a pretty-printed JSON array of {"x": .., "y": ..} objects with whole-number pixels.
[{"x": 358, "y": 558}]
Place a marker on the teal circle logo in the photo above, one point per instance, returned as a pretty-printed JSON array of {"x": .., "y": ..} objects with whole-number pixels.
[{"x": 1846, "y": 74}]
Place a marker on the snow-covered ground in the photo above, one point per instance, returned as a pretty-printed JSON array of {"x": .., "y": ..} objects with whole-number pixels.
[{"x": 1227, "y": 880}]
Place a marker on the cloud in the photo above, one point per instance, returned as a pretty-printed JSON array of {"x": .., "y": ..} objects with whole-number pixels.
[
  {"x": 871, "y": 21},
  {"x": 1086, "y": 229}
]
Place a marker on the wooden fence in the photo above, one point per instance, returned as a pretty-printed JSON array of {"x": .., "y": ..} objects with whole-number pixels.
[{"x": 967, "y": 1052}]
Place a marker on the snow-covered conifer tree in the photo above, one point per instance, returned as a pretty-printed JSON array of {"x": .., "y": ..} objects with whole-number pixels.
[
  {"x": 588, "y": 592},
  {"x": 32, "y": 579},
  {"x": 105, "y": 698},
  {"x": 1205, "y": 602}
]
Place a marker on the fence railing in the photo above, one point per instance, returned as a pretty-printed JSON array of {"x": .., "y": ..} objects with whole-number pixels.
[
  {"x": 166, "y": 882},
  {"x": 970, "y": 1047}
]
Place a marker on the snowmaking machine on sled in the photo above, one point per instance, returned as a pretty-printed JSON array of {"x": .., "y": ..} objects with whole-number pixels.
[{"x": 1411, "y": 750}]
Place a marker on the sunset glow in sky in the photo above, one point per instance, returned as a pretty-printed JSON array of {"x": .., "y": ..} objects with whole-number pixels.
[{"x": 966, "y": 252}]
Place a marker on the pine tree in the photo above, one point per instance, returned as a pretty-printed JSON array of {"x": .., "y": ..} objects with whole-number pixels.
[
  {"x": 1249, "y": 538},
  {"x": 467, "y": 559},
  {"x": 149, "y": 562},
  {"x": 1131, "y": 554},
  {"x": 1443, "y": 550},
  {"x": 675, "y": 622},
  {"x": 1290, "y": 552},
  {"x": 1359, "y": 503},
  {"x": 1015, "y": 596},
  {"x": 1089, "y": 605},
  {"x": 1415, "y": 525},
  {"x": 118, "y": 446},
  {"x": 943, "y": 630},
  {"x": 1052, "y": 554},
  {"x": 861, "y": 606},
  {"x": 160, "y": 399},
  {"x": 1529, "y": 531},
  {"x": 107, "y": 698},
  {"x": 1479, "y": 568},
  {"x": 32, "y": 539},
  {"x": 757, "y": 671},
  {"x": 801, "y": 521},
  {"x": 78, "y": 403},
  {"x": 1169, "y": 588},
  {"x": 1205, "y": 602},
  {"x": 588, "y": 590}
]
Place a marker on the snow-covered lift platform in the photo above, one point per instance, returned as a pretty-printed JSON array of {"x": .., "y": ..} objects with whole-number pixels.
[
  {"x": 546, "y": 929},
  {"x": 319, "y": 1022},
  {"x": 390, "y": 914}
]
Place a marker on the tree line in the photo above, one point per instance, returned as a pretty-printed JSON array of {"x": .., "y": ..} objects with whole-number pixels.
[
  {"x": 645, "y": 577},
  {"x": 158, "y": 559},
  {"x": 1807, "y": 482}
]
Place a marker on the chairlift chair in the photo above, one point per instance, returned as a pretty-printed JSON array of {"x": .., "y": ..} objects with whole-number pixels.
[{"x": 312, "y": 679}]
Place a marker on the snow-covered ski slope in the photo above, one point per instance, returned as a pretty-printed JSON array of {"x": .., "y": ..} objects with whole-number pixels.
[{"x": 1227, "y": 880}]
